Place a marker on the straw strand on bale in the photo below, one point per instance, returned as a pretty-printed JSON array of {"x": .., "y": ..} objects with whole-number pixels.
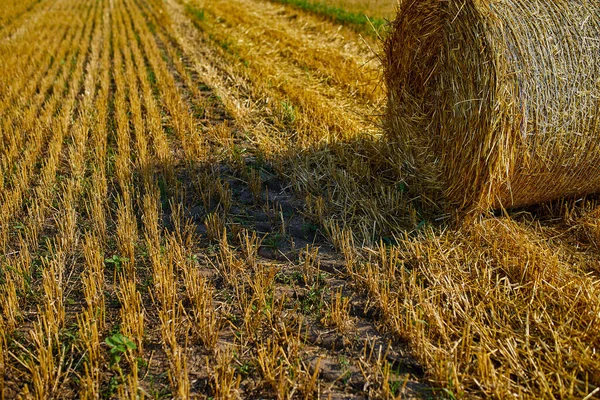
[{"x": 495, "y": 103}]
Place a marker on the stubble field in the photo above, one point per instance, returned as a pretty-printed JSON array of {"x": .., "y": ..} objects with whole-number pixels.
[{"x": 197, "y": 200}]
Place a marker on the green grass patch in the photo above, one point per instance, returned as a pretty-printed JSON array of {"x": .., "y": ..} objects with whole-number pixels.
[
  {"x": 197, "y": 13},
  {"x": 357, "y": 21}
]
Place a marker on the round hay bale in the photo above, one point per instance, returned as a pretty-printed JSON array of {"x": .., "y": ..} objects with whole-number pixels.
[{"x": 495, "y": 103}]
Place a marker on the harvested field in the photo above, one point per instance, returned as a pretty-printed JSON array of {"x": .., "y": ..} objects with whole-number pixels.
[{"x": 198, "y": 201}]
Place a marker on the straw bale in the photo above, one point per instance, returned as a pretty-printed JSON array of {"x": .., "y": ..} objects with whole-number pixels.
[{"x": 495, "y": 103}]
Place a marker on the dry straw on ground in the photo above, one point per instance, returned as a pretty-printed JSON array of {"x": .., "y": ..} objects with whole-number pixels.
[{"x": 495, "y": 103}]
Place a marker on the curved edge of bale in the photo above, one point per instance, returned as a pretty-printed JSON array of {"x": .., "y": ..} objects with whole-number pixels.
[{"x": 442, "y": 126}]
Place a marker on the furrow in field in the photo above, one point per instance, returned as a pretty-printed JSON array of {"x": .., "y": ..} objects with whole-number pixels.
[
  {"x": 62, "y": 103},
  {"x": 47, "y": 371},
  {"x": 122, "y": 139},
  {"x": 125, "y": 226},
  {"x": 23, "y": 53},
  {"x": 211, "y": 122},
  {"x": 180, "y": 122},
  {"x": 198, "y": 99},
  {"x": 159, "y": 151},
  {"x": 44, "y": 192},
  {"x": 334, "y": 57},
  {"x": 42, "y": 134},
  {"x": 140, "y": 157},
  {"x": 286, "y": 97},
  {"x": 164, "y": 299},
  {"x": 13, "y": 13},
  {"x": 11, "y": 10},
  {"x": 36, "y": 100},
  {"x": 22, "y": 115},
  {"x": 91, "y": 321},
  {"x": 219, "y": 76},
  {"x": 87, "y": 266},
  {"x": 97, "y": 193},
  {"x": 22, "y": 74}
]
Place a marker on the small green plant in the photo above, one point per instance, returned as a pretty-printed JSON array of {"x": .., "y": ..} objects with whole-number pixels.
[
  {"x": 196, "y": 13},
  {"x": 397, "y": 384},
  {"x": 343, "y": 361},
  {"x": 117, "y": 262},
  {"x": 245, "y": 368},
  {"x": 289, "y": 113},
  {"x": 111, "y": 389},
  {"x": 118, "y": 345},
  {"x": 344, "y": 366},
  {"x": 274, "y": 240},
  {"x": 313, "y": 300},
  {"x": 141, "y": 362}
]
